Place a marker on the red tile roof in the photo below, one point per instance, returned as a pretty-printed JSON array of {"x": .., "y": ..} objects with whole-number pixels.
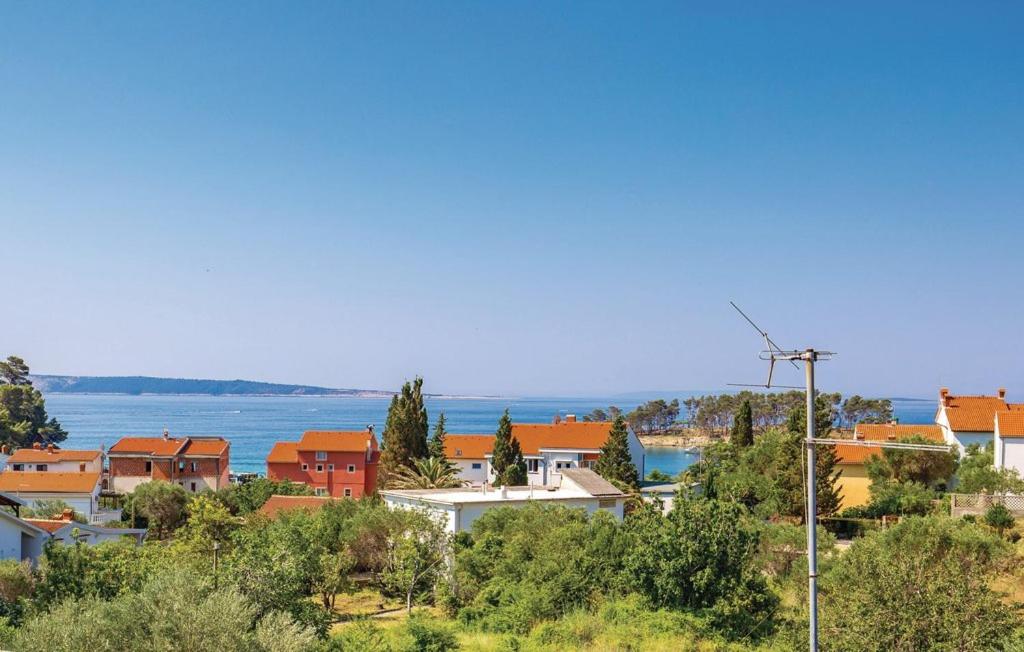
[
  {"x": 336, "y": 441},
  {"x": 49, "y": 525},
  {"x": 585, "y": 435},
  {"x": 468, "y": 447},
  {"x": 285, "y": 452},
  {"x": 1011, "y": 424},
  {"x": 157, "y": 446},
  {"x": 277, "y": 504},
  {"x": 207, "y": 446},
  {"x": 48, "y": 482},
  {"x": 42, "y": 455},
  {"x": 884, "y": 432},
  {"x": 972, "y": 413}
]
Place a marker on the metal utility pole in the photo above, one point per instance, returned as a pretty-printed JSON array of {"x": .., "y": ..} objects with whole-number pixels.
[{"x": 773, "y": 354}]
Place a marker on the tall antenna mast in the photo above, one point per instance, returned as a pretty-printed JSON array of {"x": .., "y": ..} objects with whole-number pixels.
[{"x": 773, "y": 354}]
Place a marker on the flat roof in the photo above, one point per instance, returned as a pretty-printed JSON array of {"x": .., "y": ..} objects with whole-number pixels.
[{"x": 493, "y": 495}]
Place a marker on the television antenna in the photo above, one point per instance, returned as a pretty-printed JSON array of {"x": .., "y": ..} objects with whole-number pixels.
[{"x": 774, "y": 353}]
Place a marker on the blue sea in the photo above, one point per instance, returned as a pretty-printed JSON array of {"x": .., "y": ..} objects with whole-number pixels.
[{"x": 253, "y": 424}]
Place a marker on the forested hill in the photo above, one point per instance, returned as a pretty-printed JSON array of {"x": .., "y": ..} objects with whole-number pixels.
[{"x": 149, "y": 385}]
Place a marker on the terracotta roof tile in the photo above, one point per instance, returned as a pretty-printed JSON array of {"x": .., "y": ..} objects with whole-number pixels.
[
  {"x": 337, "y": 441},
  {"x": 48, "y": 482},
  {"x": 884, "y": 432},
  {"x": 277, "y": 504},
  {"x": 973, "y": 413},
  {"x": 587, "y": 435},
  {"x": 50, "y": 526},
  {"x": 149, "y": 446},
  {"x": 285, "y": 452},
  {"x": 206, "y": 446},
  {"x": 468, "y": 447},
  {"x": 33, "y": 455},
  {"x": 1011, "y": 423}
]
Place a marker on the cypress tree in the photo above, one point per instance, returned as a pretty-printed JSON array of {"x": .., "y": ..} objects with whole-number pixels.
[
  {"x": 507, "y": 457},
  {"x": 405, "y": 431},
  {"x": 615, "y": 463},
  {"x": 825, "y": 461},
  {"x": 437, "y": 441},
  {"x": 743, "y": 425}
]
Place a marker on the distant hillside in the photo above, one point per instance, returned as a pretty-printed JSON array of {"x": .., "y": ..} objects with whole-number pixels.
[{"x": 136, "y": 385}]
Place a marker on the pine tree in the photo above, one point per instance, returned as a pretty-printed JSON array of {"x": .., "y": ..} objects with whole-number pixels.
[
  {"x": 743, "y": 426},
  {"x": 405, "y": 431},
  {"x": 436, "y": 448},
  {"x": 615, "y": 463},
  {"x": 507, "y": 457},
  {"x": 826, "y": 461}
]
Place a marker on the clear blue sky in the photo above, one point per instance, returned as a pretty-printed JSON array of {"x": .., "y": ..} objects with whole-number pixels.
[{"x": 547, "y": 199}]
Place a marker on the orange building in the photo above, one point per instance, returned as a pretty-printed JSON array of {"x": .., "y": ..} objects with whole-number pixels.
[
  {"x": 333, "y": 462},
  {"x": 854, "y": 483},
  {"x": 196, "y": 463}
]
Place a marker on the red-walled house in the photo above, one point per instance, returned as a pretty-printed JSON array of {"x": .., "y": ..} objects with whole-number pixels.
[
  {"x": 195, "y": 463},
  {"x": 335, "y": 463}
]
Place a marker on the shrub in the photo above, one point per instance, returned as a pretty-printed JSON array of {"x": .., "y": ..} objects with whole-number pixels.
[{"x": 427, "y": 635}]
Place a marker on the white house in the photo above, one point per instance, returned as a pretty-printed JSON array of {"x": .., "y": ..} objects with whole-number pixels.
[
  {"x": 79, "y": 490},
  {"x": 1009, "y": 440},
  {"x": 457, "y": 509},
  {"x": 51, "y": 458},
  {"x": 19, "y": 539},
  {"x": 549, "y": 448},
  {"x": 967, "y": 420}
]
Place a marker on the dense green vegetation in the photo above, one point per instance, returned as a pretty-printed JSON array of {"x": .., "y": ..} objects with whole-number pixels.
[{"x": 23, "y": 418}]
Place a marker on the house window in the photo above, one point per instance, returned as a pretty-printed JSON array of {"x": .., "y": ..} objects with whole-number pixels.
[
  {"x": 563, "y": 465},
  {"x": 81, "y": 467},
  {"x": 149, "y": 467},
  {"x": 587, "y": 464},
  {"x": 305, "y": 467},
  {"x": 330, "y": 467},
  {"x": 320, "y": 491},
  {"x": 477, "y": 466},
  {"x": 348, "y": 492},
  {"x": 319, "y": 468},
  {"x": 532, "y": 466},
  {"x": 18, "y": 467},
  {"x": 193, "y": 487},
  {"x": 195, "y": 466},
  {"x": 351, "y": 468},
  {"x": 181, "y": 466},
  {"x": 41, "y": 467},
  {"x": 321, "y": 456},
  {"x": 606, "y": 503}
]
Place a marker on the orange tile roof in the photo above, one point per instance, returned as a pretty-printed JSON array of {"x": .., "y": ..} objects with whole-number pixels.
[
  {"x": 335, "y": 441},
  {"x": 48, "y": 482},
  {"x": 285, "y": 452},
  {"x": 1011, "y": 424},
  {"x": 33, "y": 455},
  {"x": 884, "y": 432},
  {"x": 277, "y": 504},
  {"x": 972, "y": 413},
  {"x": 49, "y": 525},
  {"x": 206, "y": 446},
  {"x": 469, "y": 447},
  {"x": 149, "y": 446},
  {"x": 587, "y": 435}
]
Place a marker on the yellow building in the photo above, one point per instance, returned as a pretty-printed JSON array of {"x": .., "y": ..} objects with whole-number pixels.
[{"x": 853, "y": 482}]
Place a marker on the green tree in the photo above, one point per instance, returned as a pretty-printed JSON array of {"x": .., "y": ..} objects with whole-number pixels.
[
  {"x": 23, "y": 418},
  {"x": 405, "y": 432},
  {"x": 436, "y": 448},
  {"x": 615, "y": 463},
  {"x": 924, "y": 584},
  {"x": 998, "y": 517},
  {"x": 978, "y": 473},
  {"x": 507, "y": 457},
  {"x": 654, "y": 416},
  {"x": 826, "y": 461},
  {"x": 414, "y": 557},
  {"x": 894, "y": 498},
  {"x": 248, "y": 497},
  {"x": 429, "y": 473},
  {"x": 162, "y": 504},
  {"x": 929, "y": 468},
  {"x": 858, "y": 409},
  {"x": 743, "y": 425}
]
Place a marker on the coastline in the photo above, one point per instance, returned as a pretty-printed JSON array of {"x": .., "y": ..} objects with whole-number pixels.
[{"x": 675, "y": 441}]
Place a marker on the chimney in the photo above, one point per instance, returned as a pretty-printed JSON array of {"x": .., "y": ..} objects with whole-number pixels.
[
  {"x": 858, "y": 435},
  {"x": 167, "y": 434},
  {"x": 944, "y": 396},
  {"x": 369, "y": 428},
  {"x": 67, "y": 515},
  {"x": 1001, "y": 392},
  {"x": 504, "y": 492},
  {"x": 892, "y": 435},
  {"x": 37, "y": 446},
  {"x": 4, "y": 450},
  {"x": 49, "y": 448},
  {"x": 570, "y": 418},
  {"x": 557, "y": 419}
]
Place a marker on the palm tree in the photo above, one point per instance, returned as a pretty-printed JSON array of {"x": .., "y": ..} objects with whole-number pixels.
[{"x": 428, "y": 473}]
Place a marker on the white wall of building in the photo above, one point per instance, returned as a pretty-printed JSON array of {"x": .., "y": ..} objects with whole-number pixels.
[
  {"x": 10, "y": 540},
  {"x": 1010, "y": 453},
  {"x": 83, "y": 503},
  {"x": 467, "y": 472}
]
